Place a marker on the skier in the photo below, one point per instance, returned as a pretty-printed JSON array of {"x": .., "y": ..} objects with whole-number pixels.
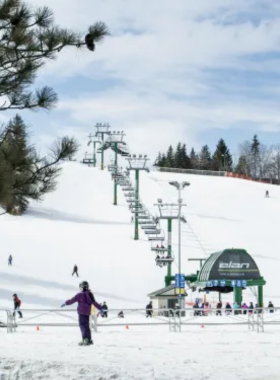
[
  {"x": 228, "y": 308},
  {"x": 267, "y": 194},
  {"x": 75, "y": 271},
  {"x": 17, "y": 303},
  {"x": 10, "y": 260},
  {"x": 251, "y": 308},
  {"x": 149, "y": 310},
  {"x": 105, "y": 310},
  {"x": 121, "y": 314},
  {"x": 219, "y": 306},
  {"x": 271, "y": 307},
  {"x": 85, "y": 300},
  {"x": 245, "y": 308},
  {"x": 132, "y": 219}
]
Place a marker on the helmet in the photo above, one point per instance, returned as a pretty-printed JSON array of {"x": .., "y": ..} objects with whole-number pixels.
[{"x": 84, "y": 285}]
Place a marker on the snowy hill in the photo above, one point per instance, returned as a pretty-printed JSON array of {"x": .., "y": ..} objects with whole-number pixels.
[
  {"x": 224, "y": 213},
  {"x": 79, "y": 225}
]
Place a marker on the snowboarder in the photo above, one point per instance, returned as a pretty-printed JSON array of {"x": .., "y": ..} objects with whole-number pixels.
[
  {"x": 17, "y": 304},
  {"x": 85, "y": 300},
  {"x": 105, "y": 310},
  {"x": 10, "y": 260},
  {"x": 149, "y": 310},
  {"x": 267, "y": 194},
  {"x": 75, "y": 271}
]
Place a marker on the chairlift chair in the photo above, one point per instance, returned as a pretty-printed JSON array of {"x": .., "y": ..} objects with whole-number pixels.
[
  {"x": 152, "y": 232},
  {"x": 156, "y": 238}
]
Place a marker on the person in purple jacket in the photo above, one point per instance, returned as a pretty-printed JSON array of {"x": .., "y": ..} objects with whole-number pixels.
[{"x": 85, "y": 300}]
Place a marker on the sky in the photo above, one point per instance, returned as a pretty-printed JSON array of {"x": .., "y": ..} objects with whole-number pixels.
[{"x": 183, "y": 70}]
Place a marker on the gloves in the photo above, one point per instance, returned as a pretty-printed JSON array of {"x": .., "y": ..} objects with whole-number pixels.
[{"x": 63, "y": 305}]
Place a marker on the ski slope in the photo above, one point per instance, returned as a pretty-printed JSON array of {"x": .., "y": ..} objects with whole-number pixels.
[
  {"x": 78, "y": 224},
  {"x": 223, "y": 213}
]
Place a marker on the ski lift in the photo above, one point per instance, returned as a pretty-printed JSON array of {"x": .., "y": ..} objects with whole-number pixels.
[
  {"x": 158, "y": 237},
  {"x": 149, "y": 227},
  {"x": 128, "y": 195},
  {"x": 143, "y": 217},
  {"x": 138, "y": 211},
  {"x": 152, "y": 232},
  {"x": 144, "y": 222},
  {"x": 163, "y": 261}
]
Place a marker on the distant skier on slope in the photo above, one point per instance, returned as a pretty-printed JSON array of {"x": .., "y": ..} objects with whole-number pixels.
[
  {"x": 85, "y": 301},
  {"x": 75, "y": 271},
  {"x": 17, "y": 304},
  {"x": 267, "y": 194},
  {"x": 105, "y": 309},
  {"x": 10, "y": 260}
]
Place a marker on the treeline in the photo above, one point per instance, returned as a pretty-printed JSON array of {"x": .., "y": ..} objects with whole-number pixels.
[
  {"x": 253, "y": 159},
  {"x": 179, "y": 158}
]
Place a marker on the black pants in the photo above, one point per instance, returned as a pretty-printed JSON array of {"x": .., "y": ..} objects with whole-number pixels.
[
  {"x": 18, "y": 311},
  {"x": 75, "y": 272}
]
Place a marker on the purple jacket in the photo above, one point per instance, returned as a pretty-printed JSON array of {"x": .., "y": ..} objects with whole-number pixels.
[{"x": 84, "y": 303}]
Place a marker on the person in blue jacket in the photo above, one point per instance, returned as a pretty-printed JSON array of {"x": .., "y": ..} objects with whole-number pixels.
[{"x": 85, "y": 300}]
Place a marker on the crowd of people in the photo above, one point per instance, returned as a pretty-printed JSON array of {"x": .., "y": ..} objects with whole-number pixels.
[{"x": 204, "y": 309}]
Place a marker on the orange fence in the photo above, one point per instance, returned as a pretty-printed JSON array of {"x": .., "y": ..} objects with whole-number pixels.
[{"x": 247, "y": 177}]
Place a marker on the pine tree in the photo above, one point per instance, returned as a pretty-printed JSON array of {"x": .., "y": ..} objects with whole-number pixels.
[
  {"x": 241, "y": 167},
  {"x": 24, "y": 175},
  {"x": 28, "y": 39},
  {"x": 158, "y": 160},
  {"x": 222, "y": 159},
  {"x": 194, "y": 161},
  {"x": 255, "y": 156},
  {"x": 163, "y": 163},
  {"x": 170, "y": 157},
  {"x": 205, "y": 160},
  {"x": 178, "y": 157},
  {"x": 186, "y": 162}
]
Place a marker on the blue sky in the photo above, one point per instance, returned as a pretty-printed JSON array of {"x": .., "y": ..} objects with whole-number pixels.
[{"x": 170, "y": 71}]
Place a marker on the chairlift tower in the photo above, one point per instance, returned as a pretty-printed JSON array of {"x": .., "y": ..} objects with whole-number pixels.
[
  {"x": 169, "y": 212},
  {"x": 101, "y": 130},
  {"x": 94, "y": 140},
  {"x": 137, "y": 164},
  {"x": 179, "y": 187},
  {"x": 115, "y": 139}
]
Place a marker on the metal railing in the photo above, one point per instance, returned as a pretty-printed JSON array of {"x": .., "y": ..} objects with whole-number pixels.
[
  {"x": 192, "y": 171},
  {"x": 174, "y": 319},
  {"x": 9, "y": 320}
]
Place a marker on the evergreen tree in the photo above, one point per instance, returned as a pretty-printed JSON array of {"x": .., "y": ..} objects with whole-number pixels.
[
  {"x": 28, "y": 39},
  {"x": 170, "y": 157},
  {"x": 241, "y": 167},
  {"x": 24, "y": 174},
  {"x": 205, "y": 160},
  {"x": 194, "y": 160},
  {"x": 222, "y": 159},
  {"x": 178, "y": 157},
  {"x": 255, "y": 156},
  {"x": 158, "y": 160},
  {"x": 186, "y": 162},
  {"x": 163, "y": 162}
]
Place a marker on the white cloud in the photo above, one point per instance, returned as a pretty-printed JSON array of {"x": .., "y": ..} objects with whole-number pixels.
[{"x": 160, "y": 52}]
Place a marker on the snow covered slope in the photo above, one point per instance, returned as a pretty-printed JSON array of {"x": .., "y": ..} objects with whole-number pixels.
[
  {"x": 223, "y": 213},
  {"x": 78, "y": 224}
]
